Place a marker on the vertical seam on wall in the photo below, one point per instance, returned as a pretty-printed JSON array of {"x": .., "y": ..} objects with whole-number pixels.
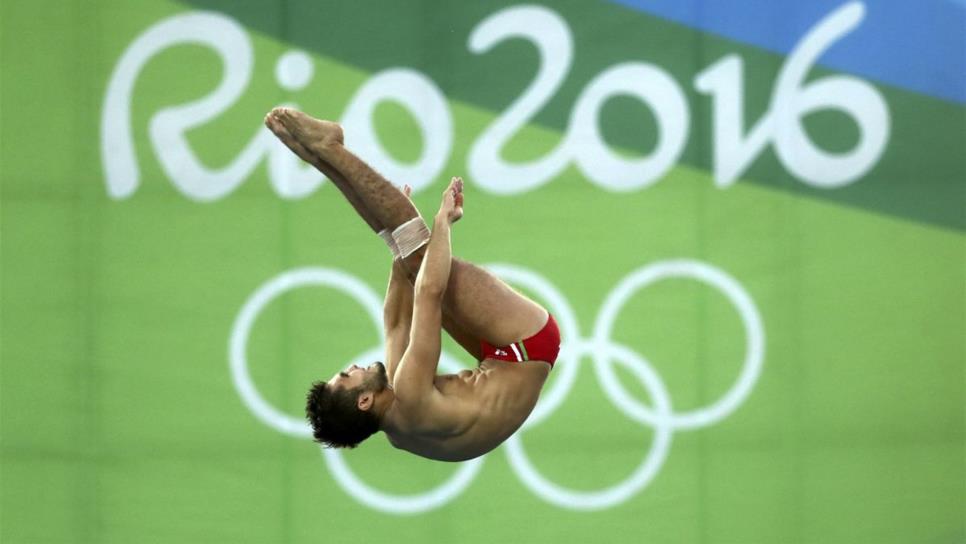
[
  {"x": 800, "y": 371},
  {"x": 702, "y": 318},
  {"x": 86, "y": 202},
  {"x": 288, "y": 446}
]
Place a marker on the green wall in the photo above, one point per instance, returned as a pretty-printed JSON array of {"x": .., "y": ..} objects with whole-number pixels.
[{"x": 785, "y": 359}]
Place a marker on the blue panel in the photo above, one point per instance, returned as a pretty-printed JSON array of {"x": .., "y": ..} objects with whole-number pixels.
[{"x": 915, "y": 45}]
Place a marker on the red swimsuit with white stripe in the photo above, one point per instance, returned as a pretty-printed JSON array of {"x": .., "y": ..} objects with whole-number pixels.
[{"x": 543, "y": 346}]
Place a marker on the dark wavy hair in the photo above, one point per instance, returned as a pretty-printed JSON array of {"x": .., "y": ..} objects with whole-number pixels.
[{"x": 336, "y": 420}]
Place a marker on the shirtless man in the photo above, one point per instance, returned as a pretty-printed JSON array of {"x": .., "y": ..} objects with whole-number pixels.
[{"x": 450, "y": 417}]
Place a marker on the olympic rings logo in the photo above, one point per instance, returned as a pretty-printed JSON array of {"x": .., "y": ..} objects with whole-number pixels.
[{"x": 599, "y": 348}]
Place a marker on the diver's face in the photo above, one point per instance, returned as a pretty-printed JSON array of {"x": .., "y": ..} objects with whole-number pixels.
[{"x": 372, "y": 377}]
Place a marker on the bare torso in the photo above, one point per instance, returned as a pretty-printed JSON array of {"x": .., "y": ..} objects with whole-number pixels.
[{"x": 493, "y": 400}]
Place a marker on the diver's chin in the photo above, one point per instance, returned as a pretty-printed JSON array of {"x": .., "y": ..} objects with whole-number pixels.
[{"x": 382, "y": 376}]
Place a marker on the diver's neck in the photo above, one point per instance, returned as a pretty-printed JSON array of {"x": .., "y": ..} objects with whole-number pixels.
[{"x": 384, "y": 407}]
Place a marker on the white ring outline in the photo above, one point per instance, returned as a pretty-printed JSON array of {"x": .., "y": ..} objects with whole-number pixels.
[
  {"x": 682, "y": 268},
  {"x": 627, "y": 488},
  {"x": 402, "y": 504},
  {"x": 242, "y": 327},
  {"x": 275, "y": 418},
  {"x": 567, "y": 320}
]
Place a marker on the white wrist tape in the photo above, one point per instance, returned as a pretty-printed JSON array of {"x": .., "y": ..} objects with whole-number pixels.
[
  {"x": 410, "y": 236},
  {"x": 386, "y": 236}
]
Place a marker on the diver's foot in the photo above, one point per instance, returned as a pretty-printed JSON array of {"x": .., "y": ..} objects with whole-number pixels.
[
  {"x": 286, "y": 137},
  {"x": 319, "y": 137}
]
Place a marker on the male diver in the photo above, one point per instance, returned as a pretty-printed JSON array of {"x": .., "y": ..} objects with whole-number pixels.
[{"x": 448, "y": 417}]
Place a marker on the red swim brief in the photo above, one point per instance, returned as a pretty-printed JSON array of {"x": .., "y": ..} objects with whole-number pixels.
[{"x": 543, "y": 346}]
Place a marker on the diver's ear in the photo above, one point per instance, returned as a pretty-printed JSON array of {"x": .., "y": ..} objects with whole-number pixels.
[{"x": 365, "y": 400}]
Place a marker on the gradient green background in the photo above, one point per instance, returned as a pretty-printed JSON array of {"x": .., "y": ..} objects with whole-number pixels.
[{"x": 120, "y": 422}]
